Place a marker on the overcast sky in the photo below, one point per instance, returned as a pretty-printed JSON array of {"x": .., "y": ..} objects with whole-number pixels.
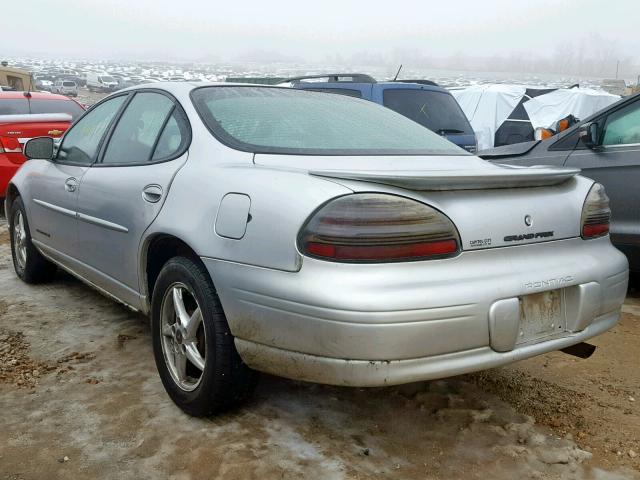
[{"x": 311, "y": 30}]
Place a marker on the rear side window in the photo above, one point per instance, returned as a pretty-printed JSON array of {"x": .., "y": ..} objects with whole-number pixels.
[
  {"x": 283, "y": 120},
  {"x": 56, "y": 106},
  {"x": 173, "y": 137},
  {"x": 135, "y": 135},
  {"x": 11, "y": 106},
  {"x": 438, "y": 111}
]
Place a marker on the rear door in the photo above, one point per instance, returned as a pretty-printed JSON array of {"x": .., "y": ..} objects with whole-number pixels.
[
  {"x": 123, "y": 192},
  {"x": 615, "y": 163},
  {"x": 54, "y": 184}
]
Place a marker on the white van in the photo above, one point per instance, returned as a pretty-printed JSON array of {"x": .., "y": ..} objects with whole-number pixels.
[{"x": 101, "y": 82}]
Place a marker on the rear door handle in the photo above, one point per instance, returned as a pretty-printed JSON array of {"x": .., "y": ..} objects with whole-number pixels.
[
  {"x": 152, "y": 193},
  {"x": 71, "y": 184}
]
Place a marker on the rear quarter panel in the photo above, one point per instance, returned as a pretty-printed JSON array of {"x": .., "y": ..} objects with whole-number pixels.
[{"x": 280, "y": 202}]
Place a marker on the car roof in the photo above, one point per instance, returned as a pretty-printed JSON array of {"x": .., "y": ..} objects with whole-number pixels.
[
  {"x": 182, "y": 87},
  {"x": 385, "y": 85},
  {"x": 34, "y": 95},
  {"x": 414, "y": 85}
]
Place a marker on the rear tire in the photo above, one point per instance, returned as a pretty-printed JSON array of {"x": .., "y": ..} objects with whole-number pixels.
[
  {"x": 28, "y": 262},
  {"x": 189, "y": 331}
]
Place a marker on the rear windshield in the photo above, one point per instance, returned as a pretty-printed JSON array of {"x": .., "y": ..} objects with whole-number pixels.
[
  {"x": 438, "y": 111},
  {"x": 11, "y": 106},
  {"x": 282, "y": 120},
  {"x": 56, "y": 106},
  {"x": 69, "y": 84}
]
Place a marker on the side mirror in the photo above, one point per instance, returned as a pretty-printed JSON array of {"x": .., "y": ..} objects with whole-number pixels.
[
  {"x": 40, "y": 148},
  {"x": 589, "y": 134}
]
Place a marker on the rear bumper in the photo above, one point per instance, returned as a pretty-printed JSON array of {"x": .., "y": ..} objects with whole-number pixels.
[
  {"x": 361, "y": 373},
  {"x": 7, "y": 171},
  {"x": 416, "y": 320}
]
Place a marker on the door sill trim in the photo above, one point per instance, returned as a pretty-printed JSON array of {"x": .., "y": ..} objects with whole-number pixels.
[{"x": 42, "y": 249}]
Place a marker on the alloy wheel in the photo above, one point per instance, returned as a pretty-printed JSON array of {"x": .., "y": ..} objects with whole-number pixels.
[
  {"x": 183, "y": 336},
  {"x": 20, "y": 240}
]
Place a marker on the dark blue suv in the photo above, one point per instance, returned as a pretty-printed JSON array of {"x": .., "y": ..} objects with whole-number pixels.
[{"x": 422, "y": 101}]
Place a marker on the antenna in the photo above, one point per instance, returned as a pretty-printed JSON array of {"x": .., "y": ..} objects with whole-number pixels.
[{"x": 397, "y": 73}]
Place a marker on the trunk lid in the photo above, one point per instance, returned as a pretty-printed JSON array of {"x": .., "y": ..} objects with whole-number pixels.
[
  {"x": 16, "y": 130},
  {"x": 491, "y": 205}
]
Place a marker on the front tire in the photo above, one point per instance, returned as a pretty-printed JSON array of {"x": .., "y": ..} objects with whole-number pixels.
[
  {"x": 28, "y": 262},
  {"x": 192, "y": 344}
]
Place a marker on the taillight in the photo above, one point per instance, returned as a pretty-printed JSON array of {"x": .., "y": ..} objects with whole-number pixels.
[
  {"x": 372, "y": 227},
  {"x": 10, "y": 145},
  {"x": 596, "y": 213}
]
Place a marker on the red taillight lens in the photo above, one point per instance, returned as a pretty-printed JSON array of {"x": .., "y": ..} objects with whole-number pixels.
[
  {"x": 10, "y": 145},
  {"x": 596, "y": 214},
  {"x": 371, "y": 227}
]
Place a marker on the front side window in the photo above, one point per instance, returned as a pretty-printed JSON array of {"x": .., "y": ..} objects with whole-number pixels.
[
  {"x": 623, "y": 127},
  {"x": 438, "y": 111},
  {"x": 135, "y": 135},
  {"x": 80, "y": 144},
  {"x": 282, "y": 120}
]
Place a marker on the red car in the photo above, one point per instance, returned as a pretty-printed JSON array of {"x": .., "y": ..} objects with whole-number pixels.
[{"x": 24, "y": 115}]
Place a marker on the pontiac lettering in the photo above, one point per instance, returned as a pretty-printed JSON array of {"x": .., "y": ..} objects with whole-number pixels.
[{"x": 549, "y": 283}]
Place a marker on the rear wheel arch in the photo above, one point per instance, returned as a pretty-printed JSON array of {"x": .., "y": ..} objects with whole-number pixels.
[{"x": 158, "y": 250}]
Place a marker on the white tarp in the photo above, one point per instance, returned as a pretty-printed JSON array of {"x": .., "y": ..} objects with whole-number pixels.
[
  {"x": 544, "y": 111},
  {"x": 487, "y": 107}
]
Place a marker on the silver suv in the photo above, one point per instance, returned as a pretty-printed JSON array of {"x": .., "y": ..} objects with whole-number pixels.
[{"x": 65, "y": 87}]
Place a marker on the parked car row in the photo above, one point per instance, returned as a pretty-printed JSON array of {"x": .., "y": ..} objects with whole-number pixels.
[{"x": 316, "y": 236}]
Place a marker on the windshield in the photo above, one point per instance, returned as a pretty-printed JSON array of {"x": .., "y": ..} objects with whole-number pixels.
[
  {"x": 107, "y": 79},
  {"x": 438, "y": 111},
  {"x": 281, "y": 120},
  {"x": 56, "y": 106}
]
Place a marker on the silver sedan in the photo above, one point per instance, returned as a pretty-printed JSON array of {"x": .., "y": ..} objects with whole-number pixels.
[{"x": 313, "y": 236}]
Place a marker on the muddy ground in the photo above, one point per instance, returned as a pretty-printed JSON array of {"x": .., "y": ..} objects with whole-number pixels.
[{"x": 80, "y": 399}]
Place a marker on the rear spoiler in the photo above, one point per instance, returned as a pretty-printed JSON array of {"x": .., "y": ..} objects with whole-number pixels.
[
  {"x": 36, "y": 117},
  {"x": 504, "y": 176}
]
